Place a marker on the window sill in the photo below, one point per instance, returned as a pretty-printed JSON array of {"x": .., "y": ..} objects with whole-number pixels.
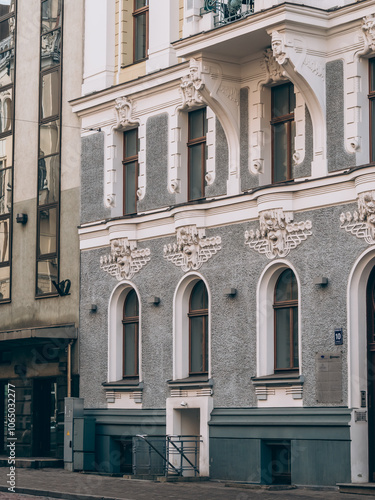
[
  {"x": 192, "y": 382},
  {"x": 123, "y": 385},
  {"x": 266, "y": 385}
]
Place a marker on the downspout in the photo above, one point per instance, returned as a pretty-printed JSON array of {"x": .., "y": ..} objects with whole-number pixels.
[{"x": 69, "y": 370}]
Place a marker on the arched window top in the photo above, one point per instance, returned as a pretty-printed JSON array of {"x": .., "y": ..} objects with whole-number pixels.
[
  {"x": 286, "y": 288},
  {"x": 131, "y": 308},
  {"x": 198, "y": 297}
]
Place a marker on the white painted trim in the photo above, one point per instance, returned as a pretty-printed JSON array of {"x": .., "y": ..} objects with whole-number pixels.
[
  {"x": 181, "y": 324},
  {"x": 357, "y": 359}
]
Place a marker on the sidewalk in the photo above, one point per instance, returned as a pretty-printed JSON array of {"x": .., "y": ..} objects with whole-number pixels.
[{"x": 61, "y": 484}]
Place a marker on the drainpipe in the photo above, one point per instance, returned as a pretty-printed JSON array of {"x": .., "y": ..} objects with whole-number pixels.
[{"x": 69, "y": 369}]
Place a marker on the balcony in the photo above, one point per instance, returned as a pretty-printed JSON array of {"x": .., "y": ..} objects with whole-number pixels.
[{"x": 228, "y": 11}]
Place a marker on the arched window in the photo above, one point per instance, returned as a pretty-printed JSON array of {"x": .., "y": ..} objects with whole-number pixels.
[
  {"x": 130, "y": 323},
  {"x": 198, "y": 329},
  {"x": 286, "y": 321}
]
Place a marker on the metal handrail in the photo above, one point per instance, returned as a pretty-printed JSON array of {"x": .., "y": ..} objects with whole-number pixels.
[
  {"x": 160, "y": 454},
  {"x": 169, "y": 440},
  {"x": 228, "y": 11}
]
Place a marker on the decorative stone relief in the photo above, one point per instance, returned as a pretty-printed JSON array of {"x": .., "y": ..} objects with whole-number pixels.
[
  {"x": 191, "y": 86},
  {"x": 362, "y": 222},
  {"x": 124, "y": 260},
  {"x": 123, "y": 110},
  {"x": 278, "y": 234},
  {"x": 368, "y": 28},
  {"x": 192, "y": 249},
  {"x": 274, "y": 70},
  {"x": 279, "y": 48}
]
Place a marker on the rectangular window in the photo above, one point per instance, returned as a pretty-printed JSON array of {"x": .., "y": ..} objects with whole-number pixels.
[
  {"x": 130, "y": 171},
  {"x": 283, "y": 131},
  {"x": 7, "y": 59},
  {"x": 197, "y": 154},
  {"x": 48, "y": 201},
  {"x": 140, "y": 16},
  {"x": 371, "y": 97}
]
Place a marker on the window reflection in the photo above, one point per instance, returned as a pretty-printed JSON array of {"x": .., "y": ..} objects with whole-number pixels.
[
  {"x": 4, "y": 283},
  {"x": 49, "y": 138},
  {"x": 4, "y": 240},
  {"x": 47, "y": 231},
  {"x": 51, "y": 15},
  {"x": 46, "y": 273},
  {"x": 50, "y": 49},
  {"x": 6, "y": 107},
  {"x": 48, "y": 179},
  {"x": 50, "y": 95},
  {"x": 6, "y": 152},
  {"x": 5, "y": 191}
]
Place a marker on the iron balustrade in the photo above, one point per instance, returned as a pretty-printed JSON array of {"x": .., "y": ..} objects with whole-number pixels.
[
  {"x": 166, "y": 455},
  {"x": 228, "y": 11}
]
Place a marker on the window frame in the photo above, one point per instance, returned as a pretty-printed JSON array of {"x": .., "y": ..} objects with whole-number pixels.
[
  {"x": 194, "y": 141},
  {"x": 126, "y": 161},
  {"x": 371, "y": 98},
  {"x": 199, "y": 313},
  {"x": 278, "y": 120},
  {"x": 130, "y": 320},
  {"x": 292, "y": 305},
  {"x": 138, "y": 13}
]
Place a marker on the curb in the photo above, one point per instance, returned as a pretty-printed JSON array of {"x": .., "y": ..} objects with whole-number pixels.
[{"x": 57, "y": 494}]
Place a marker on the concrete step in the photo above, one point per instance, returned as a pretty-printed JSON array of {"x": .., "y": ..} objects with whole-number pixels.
[
  {"x": 165, "y": 479},
  {"x": 34, "y": 462},
  {"x": 357, "y": 488}
]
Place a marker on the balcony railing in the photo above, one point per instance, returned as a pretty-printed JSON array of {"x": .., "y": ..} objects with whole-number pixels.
[{"x": 228, "y": 11}]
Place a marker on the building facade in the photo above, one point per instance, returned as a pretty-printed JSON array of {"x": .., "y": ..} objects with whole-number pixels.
[
  {"x": 41, "y": 70},
  {"x": 228, "y": 236}
]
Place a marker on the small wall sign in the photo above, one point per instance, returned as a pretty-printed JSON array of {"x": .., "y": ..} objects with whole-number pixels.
[{"x": 338, "y": 336}]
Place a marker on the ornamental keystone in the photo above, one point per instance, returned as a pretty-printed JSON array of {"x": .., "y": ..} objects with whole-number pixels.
[
  {"x": 124, "y": 260},
  {"x": 192, "y": 249},
  {"x": 278, "y": 234}
]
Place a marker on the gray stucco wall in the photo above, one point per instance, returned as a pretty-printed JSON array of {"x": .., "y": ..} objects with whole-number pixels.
[
  {"x": 92, "y": 178},
  {"x": 329, "y": 251},
  {"x": 157, "y": 194},
  {"x": 304, "y": 168},
  {"x": 338, "y": 157},
  {"x": 219, "y": 187}
]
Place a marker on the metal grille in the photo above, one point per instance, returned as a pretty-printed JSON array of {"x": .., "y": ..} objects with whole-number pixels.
[{"x": 228, "y": 11}]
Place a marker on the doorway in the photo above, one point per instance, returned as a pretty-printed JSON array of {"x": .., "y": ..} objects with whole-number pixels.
[
  {"x": 44, "y": 417},
  {"x": 370, "y": 297}
]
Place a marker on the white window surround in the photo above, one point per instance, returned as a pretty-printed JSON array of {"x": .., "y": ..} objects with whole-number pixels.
[
  {"x": 357, "y": 360},
  {"x": 115, "y": 331},
  {"x": 114, "y": 145},
  {"x": 178, "y": 152},
  {"x": 265, "y": 317},
  {"x": 181, "y": 325}
]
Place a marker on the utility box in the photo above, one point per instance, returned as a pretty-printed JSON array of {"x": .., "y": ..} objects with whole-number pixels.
[
  {"x": 84, "y": 443},
  {"x": 73, "y": 409}
]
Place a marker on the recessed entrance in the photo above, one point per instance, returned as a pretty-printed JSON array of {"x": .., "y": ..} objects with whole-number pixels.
[
  {"x": 371, "y": 372},
  {"x": 44, "y": 417}
]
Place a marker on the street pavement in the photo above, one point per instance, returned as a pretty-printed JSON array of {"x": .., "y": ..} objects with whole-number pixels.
[{"x": 63, "y": 485}]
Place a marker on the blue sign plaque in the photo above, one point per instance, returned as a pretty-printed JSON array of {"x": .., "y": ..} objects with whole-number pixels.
[{"x": 338, "y": 336}]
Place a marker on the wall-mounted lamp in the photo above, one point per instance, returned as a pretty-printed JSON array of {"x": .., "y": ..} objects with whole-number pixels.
[
  {"x": 21, "y": 218},
  {"x": 183, "y": 404},
  {"x": 154, "y": 300},
  {"x": 230, "y": 292},
  {"x": 93, "y": 308},
  {"x": 321, "y": 281}
]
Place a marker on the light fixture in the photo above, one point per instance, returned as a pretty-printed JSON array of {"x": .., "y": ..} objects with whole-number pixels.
[
  {"x": 321, "y": 281},
  {"x": 154, "y": 300},
  {"x": 21, "y": 218},
  {"x": 183, "y": 404},
  {"x": 230, "y": 292},
  {"x": 93, "y": 308}
]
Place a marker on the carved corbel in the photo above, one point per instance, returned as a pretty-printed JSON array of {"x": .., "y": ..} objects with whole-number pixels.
[
  {"x": 368, "y": 30},
  {"x": 123, "y": 112}
]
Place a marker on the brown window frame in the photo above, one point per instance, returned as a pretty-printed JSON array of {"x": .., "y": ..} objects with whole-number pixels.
[
  {"x": 126, "y": 161},
  {"x": 130, "y": 320},
  {"x": 371, "y": 97},
  {"x": 137, "y": 13},
  {"x": 292, "y": 305},
  {"x": 194, "y": 142},
  {"x": 195, "y": 313},
  {"x": 277, "y": 120}
]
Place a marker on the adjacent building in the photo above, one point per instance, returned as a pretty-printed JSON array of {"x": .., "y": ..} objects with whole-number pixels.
[
  {"x": 40, "y": 71},
  {"x": 227, "y": 237}
]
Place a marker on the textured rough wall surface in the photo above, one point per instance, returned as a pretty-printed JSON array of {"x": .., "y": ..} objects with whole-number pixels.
[
  {"x": 219, "y": 187},
  {"x": 329, "y": 251},
  {"x": 304, "y": 168},
  {"x": 338, "y": 157},
  {"x": 92, "y": 179},
  {"x": 157, "y": 135}
]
